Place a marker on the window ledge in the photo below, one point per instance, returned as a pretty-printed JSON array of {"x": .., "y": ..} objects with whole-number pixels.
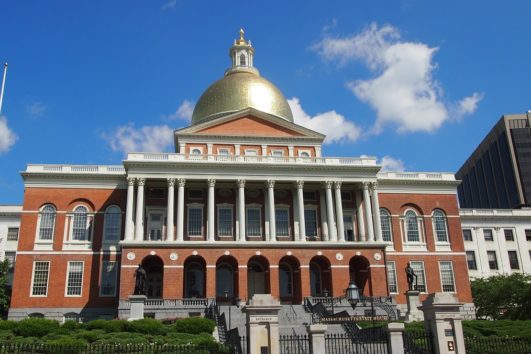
[
  {"x": 442, "y": 246},
  {"x": 77, "y": 245},
  {"x": 414, "y": 247},
  {"x": 43, "y": 245}
]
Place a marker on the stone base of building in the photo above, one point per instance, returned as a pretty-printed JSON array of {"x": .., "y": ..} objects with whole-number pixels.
[
  {"x": 468, "y": 311},
  {"x": 63, "y": 314}
]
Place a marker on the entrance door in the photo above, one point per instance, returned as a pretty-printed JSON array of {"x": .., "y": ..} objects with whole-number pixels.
[
  {"x": 349, "y": 227},
  {"x": 256, "y": 281},
  {"x": 155, "y": 223},
  {"x": 154, "y": 285}
]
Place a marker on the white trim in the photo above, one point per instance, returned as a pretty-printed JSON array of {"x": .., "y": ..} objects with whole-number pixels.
[
  {"x": 313, "y": 208},
  {"x": 247, "y": 152},
  {"x": 453, "y": 276},
  {"x": 71, "y": 252},
  {"x": 308, "y": 151},
  {"x": 33, "y": 278},
  {"x": 253, "y": 206},
  {"x": 44, "y": 244},
  {"x": 68, "y": 275},
  {"x": 283, "y": 207},
  {"x": 165, "y": 266},
  {"x": 104, "y": 236},
  {"x": 425, "y": 253},
  {"x": 192, "y": 148},
  {"x": 231, "y": 208},
  {"x": 394, "y": 276},
  {"x": 196, "y": 206},
  {"x": 273, "y": 151},
  {"x": 338, "y": 266},
  {"x": 223, "y": 149},
  {"x": 156, "y": 210}
]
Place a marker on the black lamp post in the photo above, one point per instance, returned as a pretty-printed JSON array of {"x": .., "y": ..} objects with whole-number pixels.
[{"x": 226, "y": 292}]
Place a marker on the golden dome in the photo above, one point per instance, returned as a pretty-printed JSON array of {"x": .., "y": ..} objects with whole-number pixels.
[{"x": 241, "y": 89}]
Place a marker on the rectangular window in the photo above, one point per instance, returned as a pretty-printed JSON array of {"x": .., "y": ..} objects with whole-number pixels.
[
  {"x": 488, "y": 235},
  {"x": 74, "y": 278},
  {"x": 471, "y": 260},
  {"x": 310, "y": 196},
  {"x": 418, "y": 268},
  {"x": 509, "y": 234},
  {"x": 513, "y": 259},
  {"x": 225, "y": 221},
  {"x": 223, "y": 151},
  {"x": 109, "y": 271},
  {"x": 467, "y": 234},
  {"x": 254, "y": 222},
  {"x": 282, "y": 221},
  {"x": 40, "y": 278},
  {"x": 156, "y": 193},
  {"x": 12, "y": 234},
  {"x": 11, "y": 258},
  {"x": 493, "y": 261},
  {"x": 195, "y": 221},
  {"x": 249, "y": 152},
  {"x": 310, "y": 222},
  {"x": 447, "y": 276},
  {"x": 391, "y": 277},
  {"x": 528, "y": 235},
  {"x": 346, "y": 196},
  {"x": 277, "y": 153}
]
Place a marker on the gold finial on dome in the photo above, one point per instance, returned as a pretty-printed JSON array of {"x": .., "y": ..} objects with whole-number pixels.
[{"x": 241, "y": 40}]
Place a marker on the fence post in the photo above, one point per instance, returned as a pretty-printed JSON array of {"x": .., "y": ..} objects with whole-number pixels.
[
  {"x": 442, "y": 316},
  {"x": 395, "y": 342},
  {"x": 262, "y": 324},
  {"x": 317, "y": 332}
]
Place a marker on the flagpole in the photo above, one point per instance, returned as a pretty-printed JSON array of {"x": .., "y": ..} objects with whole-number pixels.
[{"x": 2, "y": 90}]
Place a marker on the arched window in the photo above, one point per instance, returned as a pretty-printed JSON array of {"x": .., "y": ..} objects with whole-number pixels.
[
  {"x": 316, "y": 287},
  {"x": 385, "y": 219},
  {"x": 242, "y": 60},
  {"x": 47, "y": 222},
  {"x": 286, "y": 280},
  {"x": 113, "y": 223},
  {"x": 196, "y": 151},
  {"x": 224, "y": 281},
  {"x": 36, "y": 315},
  {"x": 412, "y": 227},
  {"x": 439, "y": 226},
  {"x": 195, "y": 280},
  {"x": 80, "y": 224}
]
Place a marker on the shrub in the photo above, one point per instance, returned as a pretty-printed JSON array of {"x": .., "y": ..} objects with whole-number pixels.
[
  {"x": 35, "y": 327},
  {"x": 7, "y": 325},
  {"x": 71, "y": 326},
  {"x": 148, "y": 326},
  {"x": 194, "y": 325},
  {"x": 122, "y": 338},
  {"x": 90, "y": 336},
  {"x": 108, "y": 326}
]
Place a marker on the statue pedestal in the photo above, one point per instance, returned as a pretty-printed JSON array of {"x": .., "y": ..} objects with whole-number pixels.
[
  {"x": 137, "y": 307},
  {"x": 413, "y": 302}
]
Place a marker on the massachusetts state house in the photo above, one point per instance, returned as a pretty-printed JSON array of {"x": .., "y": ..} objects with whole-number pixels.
[{"x": 247, "y": 204}]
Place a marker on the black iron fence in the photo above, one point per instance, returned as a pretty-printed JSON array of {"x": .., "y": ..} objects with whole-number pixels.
[
  {"x": 418, "y": 342},
  {"x": 210, "y": 348},
  {"x": 344, "y": 344},
  {"x": 295, "y": 344},
  {"x": 497, "y": 345}
]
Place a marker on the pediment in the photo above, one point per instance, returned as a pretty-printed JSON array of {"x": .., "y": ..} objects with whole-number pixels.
[{"x": 252, "y": 123}]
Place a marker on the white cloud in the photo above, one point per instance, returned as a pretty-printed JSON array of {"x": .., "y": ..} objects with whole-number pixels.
[
  {"x": 335, "y": 126},
  {"x": 127, "y": 138},
  {"x": 36, "y": 109},
  {"x": 7, "y": 136},
  {"x": 169, "y": 5},
  {"x": 389, "y": 163},
  {"x": 402, "y": 91},
  {"x": 184, "y": 111}
]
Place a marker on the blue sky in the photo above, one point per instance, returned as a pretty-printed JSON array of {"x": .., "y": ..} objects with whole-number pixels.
[{"x": 417, "y": 82}]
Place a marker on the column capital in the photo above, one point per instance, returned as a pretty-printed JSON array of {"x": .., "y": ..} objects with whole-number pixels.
[
  {"x": 300, "y": 184},
  {"x": 182, "y": 182},
  {"x": 211, "y": 182},
  {"x": 366, "y": 185},
  {"x": 328, "y": 184},
  {"x": 241, "y": 183},
  {"x": 337, "y": 185},
  {"x": 374, "y": 185},
  {"x": 141, "y": 181},
  {"x": 497, "y": 228},
  {"x": 131, "y": 181},
  {"x": 171, "y": 182},
  {"x": 270, "y": 183}
]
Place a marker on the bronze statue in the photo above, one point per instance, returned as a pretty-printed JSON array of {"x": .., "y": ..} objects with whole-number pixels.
[
  {"x": 410, "y": 274},
  {"x": 140, "y": 283}
]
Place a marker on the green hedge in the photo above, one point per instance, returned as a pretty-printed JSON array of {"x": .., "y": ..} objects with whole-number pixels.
[
  {"x": 35, "y": 327},
  {"x": 194, "y": 325}
]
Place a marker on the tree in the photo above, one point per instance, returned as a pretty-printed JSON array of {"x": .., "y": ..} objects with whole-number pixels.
[{"x": 503, "y": 297}]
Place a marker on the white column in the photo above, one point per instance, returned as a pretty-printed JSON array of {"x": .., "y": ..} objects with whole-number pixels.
[
  {"x": 300, "y": 202},
  {"x": 330, "y": 211},
  {"x": 209, "y": 149},
  {"x": 360, "y": 218},
  {"x": 499, "y": 237},
  {"x": 376, "y": 212},
  {"x": 272, "y": 216},
  {"x": 296, "y": 221},
  {"x": 368, "y": 212},
  {"x": 169, "y": 210},
  {"x": 264, "y": 150},
  {"x": 241, "y": 208},
  {"x": 339, "y": 212},
  {"x": 180, "y": 209},
  {"x": 129, "y": 222},
  {"x": 324, "y": 222},
  {"x": 237, "y": 149},
  {"x": 210, "y": 221},
  {"x": 139, "y": 223},
  {"x": 481, "y": 254}
]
